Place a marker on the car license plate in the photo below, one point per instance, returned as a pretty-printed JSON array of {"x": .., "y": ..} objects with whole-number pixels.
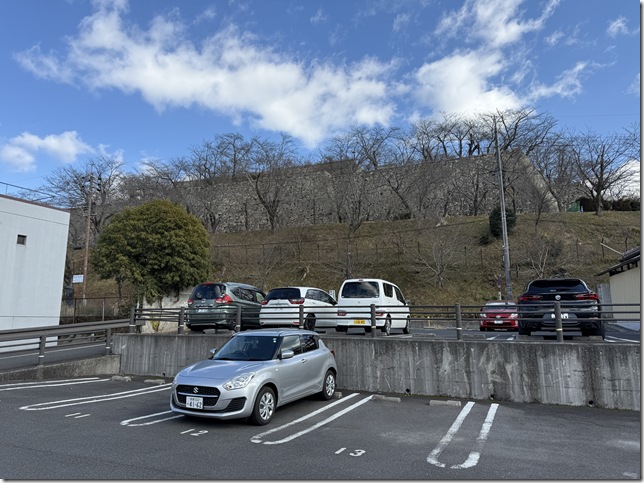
[
  {"x": 498, "y": 322},
  {"x": 194, "y": 402},
  {"x": 359, "y": 322},
  {"x": 202, "y": 310}
]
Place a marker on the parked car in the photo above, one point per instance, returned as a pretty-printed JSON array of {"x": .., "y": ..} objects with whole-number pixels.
[
  {"x": 355, "y": 300},
  {"x": 255, "y": 372},
  {"x": 215, "y": 305},
  {"x": 580, "y": 310},
  {"x": 499, "y": 314},
  {"x": 281, "y": 308}
]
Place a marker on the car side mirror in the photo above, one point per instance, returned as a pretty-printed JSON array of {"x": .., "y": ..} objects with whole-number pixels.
[
  {"x": 287, "y": 354},
  {"x": 212, "y": 353}
]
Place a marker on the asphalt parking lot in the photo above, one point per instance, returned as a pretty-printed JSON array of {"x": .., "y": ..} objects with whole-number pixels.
[{"x": 116, "y": 428}]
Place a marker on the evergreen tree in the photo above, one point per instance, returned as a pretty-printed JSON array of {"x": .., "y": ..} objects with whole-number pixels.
[
  {"x": 158, "y": 247},
  {"x": 495, "y": 221}
]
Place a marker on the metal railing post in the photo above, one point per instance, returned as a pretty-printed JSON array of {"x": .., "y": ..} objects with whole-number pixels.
[
  {"x": 558, "y": 325},
  {"x": 108, "y": 341},
  {"x": 182, "y": 318},
  {"x": 301, "y": 317},
  {"x": 238, "y": 317},
  {"x": 132, "y": 327},
  {"x": 373, "y": 320},
  {"x": 41, "y": 349},
  {"x": 459, "y": 322}
]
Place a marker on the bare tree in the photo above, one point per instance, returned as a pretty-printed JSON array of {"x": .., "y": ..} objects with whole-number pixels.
[
  {"x": 603, "y": 162},
  {"x": 96, "y": 184},
  {"x": 519, "y": 132},
  {"x": 269, "y": 173},
  {"x": 555, "y": 162}
]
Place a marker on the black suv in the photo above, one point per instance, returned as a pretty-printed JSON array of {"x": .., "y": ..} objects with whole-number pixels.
[
  {"x": 215, "y": 305},
  {"x": 579, "y": 305}
]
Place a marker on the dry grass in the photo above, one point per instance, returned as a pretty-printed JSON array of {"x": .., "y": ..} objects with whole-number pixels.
[{"x": 433, "y": 264}]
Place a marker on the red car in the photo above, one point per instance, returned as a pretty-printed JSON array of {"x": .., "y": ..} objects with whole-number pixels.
[{"x": 500, "y": 314}]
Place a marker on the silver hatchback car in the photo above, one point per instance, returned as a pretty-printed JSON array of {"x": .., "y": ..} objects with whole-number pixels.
[{"x": 255, "y": 372}]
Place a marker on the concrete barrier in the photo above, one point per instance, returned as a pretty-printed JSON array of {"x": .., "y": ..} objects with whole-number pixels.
[{"x": 600, "y": 375}]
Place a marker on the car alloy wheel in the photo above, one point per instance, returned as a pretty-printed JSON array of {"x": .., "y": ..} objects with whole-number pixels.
[
  {"x": 264, "y": 406},
  {"x": 328, "y": 386}
]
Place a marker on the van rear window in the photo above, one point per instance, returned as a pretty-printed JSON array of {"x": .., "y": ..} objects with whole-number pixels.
[
  {"x": 360, "y": 290},
  {"x": 283, "y": 294},
  {"x": 208, "y": 291}
]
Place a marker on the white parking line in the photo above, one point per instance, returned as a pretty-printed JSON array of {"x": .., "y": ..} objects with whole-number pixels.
[
  {"x": 474, "y": 456},
  {"x": 258, "y": 437},
  {"x": 93, "y": 399},
  {"x": 63, "y": 382},
  {"x": 612, "y": 338},
  {"x": 128, "y": 421}
]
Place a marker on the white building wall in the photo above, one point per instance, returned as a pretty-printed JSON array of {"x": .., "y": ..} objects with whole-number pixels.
[
  {"x": 31, "y": 275},
  {"x": 625, "y": 288}
]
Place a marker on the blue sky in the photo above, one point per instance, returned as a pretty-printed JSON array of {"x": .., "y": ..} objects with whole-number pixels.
[{"x": 150, "y": 79}]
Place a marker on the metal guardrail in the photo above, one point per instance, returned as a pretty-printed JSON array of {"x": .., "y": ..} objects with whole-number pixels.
[
  {"x": 457, "y": 317},
  {"x": 47, "y": 337}
]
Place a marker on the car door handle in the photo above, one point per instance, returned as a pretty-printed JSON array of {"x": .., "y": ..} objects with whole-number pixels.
[{"x": 304, "y": 360}]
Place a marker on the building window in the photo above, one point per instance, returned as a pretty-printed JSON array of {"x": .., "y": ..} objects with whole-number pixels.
[{"x": 22, "y": 239}]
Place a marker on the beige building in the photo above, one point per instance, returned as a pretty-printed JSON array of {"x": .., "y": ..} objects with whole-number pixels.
[{"x": 625, "y": 286}]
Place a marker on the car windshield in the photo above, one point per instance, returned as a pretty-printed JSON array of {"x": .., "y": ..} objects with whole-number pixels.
[
  {"x": 360, "y": 290},
  {"x": 248, "y": 348}
]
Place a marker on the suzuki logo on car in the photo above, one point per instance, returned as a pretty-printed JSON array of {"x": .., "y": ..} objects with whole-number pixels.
[
  {"x": 557, "y": 297},
  {"x": 195, "y": 390}
]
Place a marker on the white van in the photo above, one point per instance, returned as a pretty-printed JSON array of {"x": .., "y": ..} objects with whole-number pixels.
[{"x": 354, "y": 305}]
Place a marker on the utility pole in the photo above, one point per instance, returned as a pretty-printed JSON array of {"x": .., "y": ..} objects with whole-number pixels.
[
  {"x": 90, "y": 194},
  {"x": 504, "y": 226}
]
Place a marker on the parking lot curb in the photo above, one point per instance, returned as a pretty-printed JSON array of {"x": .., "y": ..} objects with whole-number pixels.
[
  {"x": 121, "y": 378},
  {"x": 379, "y": 397},
  {"x": 436, "y": 402}
]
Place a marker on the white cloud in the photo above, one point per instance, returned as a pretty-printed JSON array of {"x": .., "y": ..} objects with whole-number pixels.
[
  {"x": 20, "y": 152},
  {"x": 230, "y": 73},
  {"x": 460, "y": 84},
  {"x": 319, "y": 17},
  {"x": 233, "y": 74},
  {"x": 617, "y": 27},
  {"x": 634, "y": 87},
  {"x": 568, "y": 83},
  {"x": 554, "y": 38},
  {"x": 496, "y": 22},
  {"x": 401, "y": 21}
]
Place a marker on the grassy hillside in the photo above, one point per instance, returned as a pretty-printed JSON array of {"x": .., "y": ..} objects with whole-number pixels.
[{"x": 433, "y": 263}]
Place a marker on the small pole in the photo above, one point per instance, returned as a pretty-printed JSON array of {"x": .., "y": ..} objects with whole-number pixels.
[
  {"x": 238, "y": 317},
  {"x": 132, "y": 327},
  {"x": 459, "y": 322},
  {"x": 558, "y": 325},
  {"x": 41, "y": 350},
  {"x": 373, "y": 320},
  {"x": 301, "y": 317},
  {"x": 182, "y": 319},
  {"x": 108, "y": 341}
]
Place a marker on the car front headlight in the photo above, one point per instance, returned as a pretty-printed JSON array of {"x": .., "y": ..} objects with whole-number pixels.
[{"x": 239, "y": 382}]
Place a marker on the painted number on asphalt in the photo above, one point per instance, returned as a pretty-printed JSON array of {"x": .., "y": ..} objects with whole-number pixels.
[
  {"x": 193, "y": 432},
  {"x": 355, "y": 452}
]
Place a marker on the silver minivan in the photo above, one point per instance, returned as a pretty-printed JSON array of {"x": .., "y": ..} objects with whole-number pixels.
[{"x": 356, "y": 297}]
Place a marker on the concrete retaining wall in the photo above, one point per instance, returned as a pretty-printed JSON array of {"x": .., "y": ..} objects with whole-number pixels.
[{"x": 601, "y": 375}]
